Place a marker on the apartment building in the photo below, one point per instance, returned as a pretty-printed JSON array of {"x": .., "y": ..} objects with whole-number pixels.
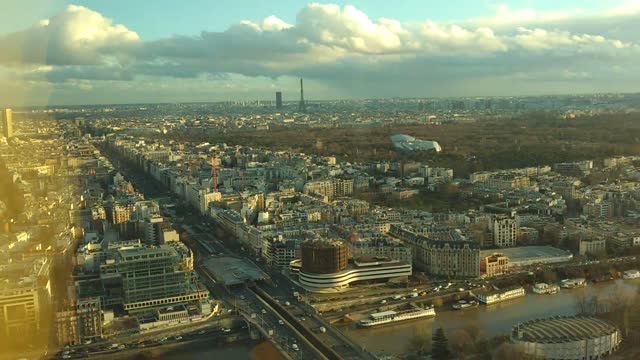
[{"x": 505, "y": 232}]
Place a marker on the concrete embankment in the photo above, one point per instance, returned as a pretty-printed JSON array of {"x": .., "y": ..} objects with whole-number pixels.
[{"x": 158, "y": 351}]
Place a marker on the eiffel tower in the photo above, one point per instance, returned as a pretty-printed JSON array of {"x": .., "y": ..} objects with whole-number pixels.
[{"x": 302, "y": 107}]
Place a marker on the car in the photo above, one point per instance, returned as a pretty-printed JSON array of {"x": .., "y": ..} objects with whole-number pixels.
[
  {"x": 201, "y": 332},
  {"x": 280, "y": 322},
  {"x": 178, "y": 337},
  {"x": 66, "y": 356},
  {"x": 287, "y": 303},
  {"x": 295, "y": 347},
  {"x": 383, "y": 301},
  {"x": 227, "y": 330},
  {"x": 263, "y": 311},
  {"x": 303, "y": 319},
  {"x": 241, "y": 297}
]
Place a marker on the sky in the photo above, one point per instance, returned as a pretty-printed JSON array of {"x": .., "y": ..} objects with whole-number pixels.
[{"x": 57, "y": 52}]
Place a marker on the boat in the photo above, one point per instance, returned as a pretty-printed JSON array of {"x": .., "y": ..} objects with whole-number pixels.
[
  {"x": 603, "y": 278},
  {"x": 631, "y": 274},
  {"x": 391, "y": 316},
  {"x": 463, "y": 304},
  {"x": 494, "y": 296},
  {"x": 573, "y": 283},
  {"x": 544, "y": 288}
]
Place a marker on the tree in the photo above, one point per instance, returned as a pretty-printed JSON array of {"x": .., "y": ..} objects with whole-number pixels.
[
  {"x": 506, "y": 351},
  {"x": 419, "y": 342},
  {"x": 440, "y": 346},
  {"x": 473, "y": 330},
  {"x": 483, "y": 350},
  {"x": 461, "y": 343}
]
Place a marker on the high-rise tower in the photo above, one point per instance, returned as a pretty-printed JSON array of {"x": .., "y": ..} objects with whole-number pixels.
[
  {"x": 7, "y": 123},
  {"x": 278, "y": 100},
  {"x": 302, "y": 107}
]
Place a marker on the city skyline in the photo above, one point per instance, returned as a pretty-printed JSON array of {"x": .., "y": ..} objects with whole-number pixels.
[{"x": 94, "y": 54}]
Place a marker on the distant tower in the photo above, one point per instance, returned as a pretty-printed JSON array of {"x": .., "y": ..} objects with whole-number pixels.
[
  {"x": 302, "y": 107},
  {"x": 7, "y": 123},
  {"x": 278, "y": 100}
]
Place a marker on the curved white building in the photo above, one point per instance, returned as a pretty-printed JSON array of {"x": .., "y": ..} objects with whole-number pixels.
[
  {"x": 359, "y": 270},
  {"x": 574, "y": 337},
  {"x": 409, "y": 143}
]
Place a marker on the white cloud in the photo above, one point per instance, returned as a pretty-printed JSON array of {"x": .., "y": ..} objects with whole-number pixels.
[
  {"x": 453, "y": 39},
  {"x": 77, "y": 36},
  {"x": 350, "y": 29},
  {"x": 336, "y": 46},
  {"x": 271, "y": 23},
  {"x": 506, "y": 16}
]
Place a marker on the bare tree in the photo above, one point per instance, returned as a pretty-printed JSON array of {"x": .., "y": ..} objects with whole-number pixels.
[
  {"x": 420, "y": 342},
  {"x": 462, "y": 343},
  {"x": 473, "y": 329},
  {"x": 587, "y": 305},
  {"x": 506, "y": 351}
]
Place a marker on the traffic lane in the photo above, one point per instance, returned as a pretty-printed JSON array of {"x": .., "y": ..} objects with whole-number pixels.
[
  {"x": 398, "y": 302},
  {"x": 281, "y": 332},
  {"x": 215, "y": 330},
  {"x": 107, "y": 350}
]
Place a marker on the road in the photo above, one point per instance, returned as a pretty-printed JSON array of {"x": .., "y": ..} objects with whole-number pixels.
[
  {"x": 283, "y": 335},
  {"x": 212, "y": 333},
  {"x": 241, "y": 298}
]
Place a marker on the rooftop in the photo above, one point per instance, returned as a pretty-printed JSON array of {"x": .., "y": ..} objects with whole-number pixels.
[
  {"x": 233, "y": 271},
  {"x": 527, "y": 252},
  {"x": 563, "y": 328}
]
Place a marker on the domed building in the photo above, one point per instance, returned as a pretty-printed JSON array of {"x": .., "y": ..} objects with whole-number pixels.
[{"x": 566, "y": 337}]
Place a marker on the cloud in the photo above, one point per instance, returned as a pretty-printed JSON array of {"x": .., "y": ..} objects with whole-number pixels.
[
  {"x": 340, "y": 48},
  {"x": 563, "y": 42},
  {"x": 77, "y": 36},
  {"x": 350, "y": 29}
]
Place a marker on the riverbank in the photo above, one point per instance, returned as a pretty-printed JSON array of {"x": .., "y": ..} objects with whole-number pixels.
[
  {"x": 492, "y": 320},
  {"x": 201, "y": 349}
]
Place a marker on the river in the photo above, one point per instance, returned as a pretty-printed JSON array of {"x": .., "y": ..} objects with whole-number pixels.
[{"x": 493, "y": 320}]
